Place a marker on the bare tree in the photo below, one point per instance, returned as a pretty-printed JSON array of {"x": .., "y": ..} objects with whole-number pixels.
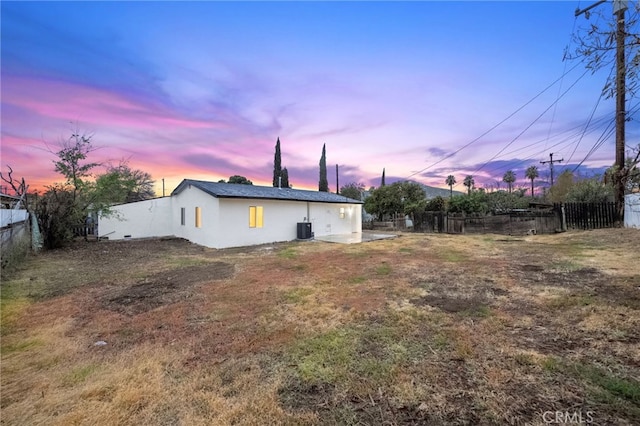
[
  {"x": 19, "y": 188},
  {"x": 597, "y": 43},
  {"x": 612, "y": 43}
]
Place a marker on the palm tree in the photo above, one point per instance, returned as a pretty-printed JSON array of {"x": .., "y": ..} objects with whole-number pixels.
[
  {"x": 451, "y": 180},
  {"x": 508, "y": 178},
  {"x": 469, "y": 182},
  {"x": 532, "y": 173}
]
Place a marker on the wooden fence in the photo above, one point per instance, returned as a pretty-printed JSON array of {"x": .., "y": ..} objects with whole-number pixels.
[
  {"x": 517, "y": 222},
  {"x": 85, "y": 230},
  {"x": 514, "y": 223},
  {"x": 430, "y": 222},
  {"x": 588, "y": 215}
]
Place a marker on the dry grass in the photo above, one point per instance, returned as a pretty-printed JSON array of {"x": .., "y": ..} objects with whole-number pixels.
[{"x": 435, "y": 329}]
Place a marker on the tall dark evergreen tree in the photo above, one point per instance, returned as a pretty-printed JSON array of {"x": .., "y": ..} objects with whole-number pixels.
[
  {"x": 277, "y": 166},
  {"x": 285, "y": 178},
  {"x": 323, "y": 185},
  {"x": 382, "y": 182}
]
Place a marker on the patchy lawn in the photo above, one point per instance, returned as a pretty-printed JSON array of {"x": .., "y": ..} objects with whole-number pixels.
[{"x": 421, "y": 329}]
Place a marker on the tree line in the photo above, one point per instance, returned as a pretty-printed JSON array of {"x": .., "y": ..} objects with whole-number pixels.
[
  {"x": 84, "y": 192},
  {"x": 409, "y": 198}
]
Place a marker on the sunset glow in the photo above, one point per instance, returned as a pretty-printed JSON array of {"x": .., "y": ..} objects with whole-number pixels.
[{"x": 202, "y": 90}]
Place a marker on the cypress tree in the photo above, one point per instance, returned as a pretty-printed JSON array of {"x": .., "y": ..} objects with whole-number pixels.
[
  {"x": 382, "y": 182},
  {"x": 277, "y": 166},
  {"x": 323, "y": 185},
  {"x": 285, "y": 178}
]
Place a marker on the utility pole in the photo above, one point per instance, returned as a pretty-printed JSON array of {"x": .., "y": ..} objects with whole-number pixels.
[
  {"x": 619, "y": 9},
  {"x": 337, "y": 183},
  {"x": 551, "y": 161}
]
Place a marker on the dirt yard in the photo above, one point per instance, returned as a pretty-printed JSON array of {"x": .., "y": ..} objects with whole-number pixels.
[{"x": 420, "y": 329}]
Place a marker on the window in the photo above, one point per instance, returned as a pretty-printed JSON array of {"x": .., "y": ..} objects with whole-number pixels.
[
  {"x": 198, "y": 217},
  {"x": 342, "y": 213},
  {"x": 183, "y": 214},
  {"x": 256, "y": 219}
]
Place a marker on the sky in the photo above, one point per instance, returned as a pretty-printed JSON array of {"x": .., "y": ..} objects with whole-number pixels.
[{"x": 203, "y": 90}]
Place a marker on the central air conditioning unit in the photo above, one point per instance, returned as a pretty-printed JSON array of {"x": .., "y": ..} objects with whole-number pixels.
[{"x": 304, "y": 231}]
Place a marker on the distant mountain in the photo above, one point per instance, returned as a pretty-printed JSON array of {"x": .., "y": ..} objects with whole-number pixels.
[
  {"x": 433, "y": 192},
  {"x": 430, "y": 191}
]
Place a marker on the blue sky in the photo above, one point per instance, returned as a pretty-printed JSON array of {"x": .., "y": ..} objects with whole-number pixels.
[{"x": 203, "y": 89}]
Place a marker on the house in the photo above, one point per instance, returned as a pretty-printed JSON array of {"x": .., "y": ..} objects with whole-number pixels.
[{"x": 221, "y": 215}]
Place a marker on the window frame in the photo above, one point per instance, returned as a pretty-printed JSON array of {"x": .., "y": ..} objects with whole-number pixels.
[
  {"x": 256, "y": 216},
  {"x": 198, "y": 217}
]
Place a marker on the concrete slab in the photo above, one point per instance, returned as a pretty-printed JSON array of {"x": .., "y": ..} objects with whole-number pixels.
[{"x": 356, "y": 237}]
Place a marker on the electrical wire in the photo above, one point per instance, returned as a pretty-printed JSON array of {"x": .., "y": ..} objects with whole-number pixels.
[
  {"x": 606, "y": 132},
  {"x": 532, "y": 123},
  {"x": 553, "y": 114},
  {"x": 495, "y": 126}
]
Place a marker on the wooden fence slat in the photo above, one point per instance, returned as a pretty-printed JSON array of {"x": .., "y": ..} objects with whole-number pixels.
[
  {"x": 588, "y": 215},
  {"x": 601, "y": 222}
]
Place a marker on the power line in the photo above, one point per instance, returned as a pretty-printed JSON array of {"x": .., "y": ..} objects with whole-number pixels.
[
  {"x": 531, "y": 124},
  {"x": 586, "y": 126},
  {"x": 551, "y": 161},
  {"x": 553, "y": 115},
  {"x": 495, "y": 126},
  {"x": 606, "y": 134}
]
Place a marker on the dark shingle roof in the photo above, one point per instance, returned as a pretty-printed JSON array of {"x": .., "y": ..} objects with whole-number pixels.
[{"x": 234, "y": 190}]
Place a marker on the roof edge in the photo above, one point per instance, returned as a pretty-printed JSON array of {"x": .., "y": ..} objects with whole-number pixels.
[{"x": 201, "y": 185}]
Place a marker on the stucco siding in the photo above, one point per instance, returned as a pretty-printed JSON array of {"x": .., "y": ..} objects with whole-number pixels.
[
  {"x": 280, "y": 220},
  {"x": 208, "y": 234},
  {"x": 225, "y": 222},
  {"x": 9, "y": 216},
  {"x": 144, "y": 219},
  {"x": 326, "y": 218}
]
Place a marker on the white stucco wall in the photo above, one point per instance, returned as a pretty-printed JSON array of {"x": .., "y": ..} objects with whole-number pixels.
[
  {"x": 209, "y": 233},
  {"x": 326, "y": 220},
  {"x": 225, "y": 221},
  {"x": 280, "y": 220},
  {"x": 632, "y": 211},
  {"x": 9, "y": 216},
  {"x": 144, "y": 219}
]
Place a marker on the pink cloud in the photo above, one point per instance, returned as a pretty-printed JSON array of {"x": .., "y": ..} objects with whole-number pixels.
[
  {"x": 29, "y": 160},
  {"x": 62, "y": 100}
]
